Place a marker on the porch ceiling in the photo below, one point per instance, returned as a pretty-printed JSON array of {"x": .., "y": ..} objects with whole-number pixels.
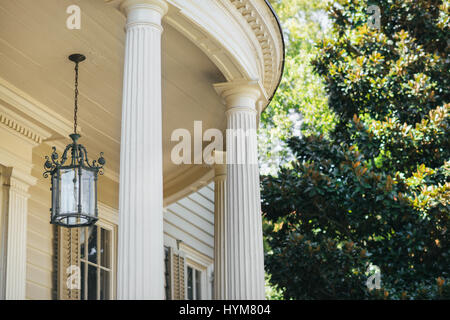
[{"x": 35, "y": 43}]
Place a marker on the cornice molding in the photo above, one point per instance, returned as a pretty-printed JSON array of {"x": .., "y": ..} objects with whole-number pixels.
[
  {"x": 22, "y": 127},
  {"x": 46, "y": 118},
  {"x": 267, "y": 39}
]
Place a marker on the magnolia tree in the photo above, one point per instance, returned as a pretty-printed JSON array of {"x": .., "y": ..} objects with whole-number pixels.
[{"x": 372, "y": 192}]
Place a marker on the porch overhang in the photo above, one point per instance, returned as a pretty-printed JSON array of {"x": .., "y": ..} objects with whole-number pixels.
[{"x": 203, "y": 43}]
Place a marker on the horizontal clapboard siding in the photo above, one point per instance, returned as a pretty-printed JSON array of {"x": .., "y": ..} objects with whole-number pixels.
[
  {"x": 39, "y": 241},
  {"x": 191, "y": 220}
]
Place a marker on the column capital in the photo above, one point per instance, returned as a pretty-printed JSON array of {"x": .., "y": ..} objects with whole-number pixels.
[
  {"x": 140, "y": 12},
  {"x": 239, "y": 93},
  {"x": 18, "y": 180}
]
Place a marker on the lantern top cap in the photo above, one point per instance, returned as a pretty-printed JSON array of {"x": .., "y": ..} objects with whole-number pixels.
[
  {"x": 74, "y": 137},
  {"x": 77, "y": 57}
]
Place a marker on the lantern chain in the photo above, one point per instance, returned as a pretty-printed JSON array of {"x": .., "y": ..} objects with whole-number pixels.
[
  {"x": 70, "y": 259},
  {"x": 76, "y": 100},
  {"x": 77, "y": 257}
]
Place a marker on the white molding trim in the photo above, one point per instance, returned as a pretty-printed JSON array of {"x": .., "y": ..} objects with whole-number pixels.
[
  {"x": 108, "y": 213},
  {"x": 22, "y": 127},
  {"x": 176, "y": 194},
  {"x": 213, "y": 29},
  {"x": 34, "y": 109},
  {"x": 196, "y": 260},
  {"x": 195, "y": 256},
  {"x": 241, "y": 37},
  {"x": 239, "y": 93},
  {"x": 269, "y": 40}
]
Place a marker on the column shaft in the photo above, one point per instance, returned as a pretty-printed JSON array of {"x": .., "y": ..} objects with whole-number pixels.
[
  {"x": 141, "y": 251},
  {"x": 245, "y": 256},
  {"x": 220, "y": 272}
]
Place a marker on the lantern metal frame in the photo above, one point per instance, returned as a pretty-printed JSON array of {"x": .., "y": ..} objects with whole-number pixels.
[{"x": 79, "y": 163}]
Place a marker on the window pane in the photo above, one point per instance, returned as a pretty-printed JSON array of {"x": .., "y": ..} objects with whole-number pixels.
[
  {"x": 198, "y": 287},
  {"x": 190, "y": 284},
  {"x": 105, "y": 240},
  {"x": 104, "y": 285},
  {"x": 83, "y": 278},
  {"x": 88, "y": 193},
  {"x": 55, "y": 195},
  {"x": 82, "y": 242},
  {"x": 69, "y": 191},
  {"x": 92, "y": 244},
  {"x": 92, "y": 283}
]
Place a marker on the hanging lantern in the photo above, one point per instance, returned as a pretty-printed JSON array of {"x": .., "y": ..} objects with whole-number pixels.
[{"x": 74, "y": 178}]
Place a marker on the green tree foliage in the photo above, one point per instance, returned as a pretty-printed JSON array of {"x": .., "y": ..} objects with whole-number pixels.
[
  {"x": 375, "y": 189},
  {"x": 301, "y": 96}
]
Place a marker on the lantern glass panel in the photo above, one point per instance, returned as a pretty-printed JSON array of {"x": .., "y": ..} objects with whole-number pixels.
[
  {"x": 88, "y": 192},
  {"x": 69, "y": 191},
  {"x": 69, "y": 186},
  {"x": 55, "y": 192}
]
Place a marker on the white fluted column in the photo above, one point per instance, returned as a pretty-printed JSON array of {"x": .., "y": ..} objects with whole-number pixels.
[
  {"x": 245, "y": 256},
  {"x": 220, "y": 244},
  {"x": 141, "y": 250},
  {"x": 14, "y": 250}
]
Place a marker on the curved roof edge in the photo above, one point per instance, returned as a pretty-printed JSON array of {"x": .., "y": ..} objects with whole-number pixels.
[{"x": 283, "y": 49}]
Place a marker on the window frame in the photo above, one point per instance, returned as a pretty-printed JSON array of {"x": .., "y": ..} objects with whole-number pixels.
[
  {"x": 194, "y": 282},
  {"x": 204, "y": 270},
  {"x": 101, "y": 224},
  {"x": 108, "y": 219},
  {"x": 200, "y": 261}
]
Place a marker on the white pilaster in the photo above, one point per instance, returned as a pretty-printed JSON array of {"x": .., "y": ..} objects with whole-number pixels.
[
  {"x": 244, "y": 252},
  {"x": 15, "y": 196},
  {"x": 141, "y": 250},
  {"x": 220, "y": 244}
]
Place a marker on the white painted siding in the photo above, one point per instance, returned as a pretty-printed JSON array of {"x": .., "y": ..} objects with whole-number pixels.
[
  {"x": 189, "y": 231},
  {"x": 39, "y": 241},
  {"x": 191, "y": 220}
]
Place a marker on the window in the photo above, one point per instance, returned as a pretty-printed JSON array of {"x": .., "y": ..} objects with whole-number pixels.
[
  {"x": 194, "y": 283},
  {"x": 96, "y": 262}
]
